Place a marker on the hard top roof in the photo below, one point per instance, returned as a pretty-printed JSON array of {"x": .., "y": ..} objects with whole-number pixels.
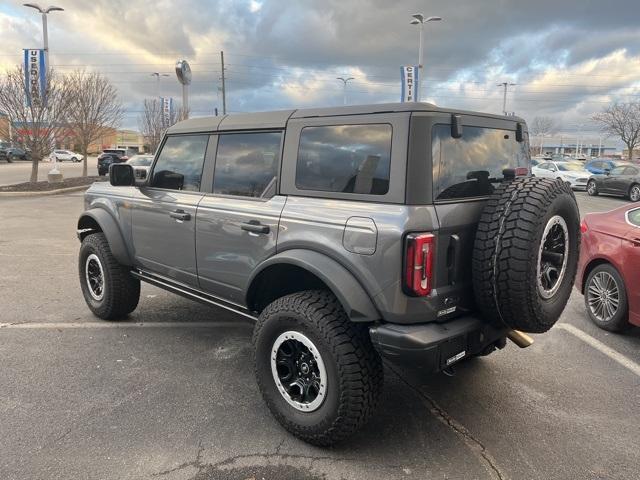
[{"x": 279, "y": 118}]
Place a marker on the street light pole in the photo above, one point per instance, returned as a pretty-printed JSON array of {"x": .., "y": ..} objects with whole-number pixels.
[
  {"x": 344, "y": 88},
  {"x": 506, "y": 85},
  {"x": 158, "y": 75},
  {"x": 419, "y": 19},
  {"x": 45, "y": 33}
]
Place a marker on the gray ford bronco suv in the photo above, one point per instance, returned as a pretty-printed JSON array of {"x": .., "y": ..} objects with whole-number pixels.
[{"x": 404, "y": 231}]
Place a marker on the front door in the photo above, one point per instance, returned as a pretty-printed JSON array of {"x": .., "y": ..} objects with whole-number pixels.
[
  {"x": 164, "y": 213},
  {"x": 612, "y": 183},
  {"x": 237, "y": 223}
]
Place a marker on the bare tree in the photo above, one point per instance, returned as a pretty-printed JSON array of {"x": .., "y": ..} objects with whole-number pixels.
[
  {"x": 622, "y": 120},
  {"x": 95, "y": 109},
  {"x": 153, "y": 122},
  {"x": 39, "y": 121},
  {"x": 541, "y": 127}
]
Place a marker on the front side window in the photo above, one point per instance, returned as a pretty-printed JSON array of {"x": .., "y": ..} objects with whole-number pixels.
[
  {"x": 247, "y": 164},
  {"x": 179, "y": 166},
  {"x": 617, "y": 171},
  {"x": 473, "y": 165},
  {"x": 345, "y": 158}
]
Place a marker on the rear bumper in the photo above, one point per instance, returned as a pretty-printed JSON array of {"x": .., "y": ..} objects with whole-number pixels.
[{"x": 436, "y": 346}]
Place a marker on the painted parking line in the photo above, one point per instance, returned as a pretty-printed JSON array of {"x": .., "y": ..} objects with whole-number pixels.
[
  {"x": 98, "y": 325},
  {"x": 601, "y": 347}
]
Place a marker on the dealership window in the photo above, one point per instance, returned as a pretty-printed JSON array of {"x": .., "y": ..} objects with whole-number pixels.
[
  {"x": 473, "y": 165},
  {"x": 247, "y": 164},
  {"x": 179, "y": 165},
  {"x": 345, "y": 158}
]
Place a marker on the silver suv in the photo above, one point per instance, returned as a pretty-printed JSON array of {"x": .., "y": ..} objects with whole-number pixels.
[{"x": 349, "y": 234}]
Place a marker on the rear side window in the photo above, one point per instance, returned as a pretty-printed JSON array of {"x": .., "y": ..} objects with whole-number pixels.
[
  {"x": 472, "y": 166},
  {"x": 247, "y": 164},
  {"x": 345, "y": 158},
  {"x": 179, "y": 166},
  {"x": 631, "y": 171}
]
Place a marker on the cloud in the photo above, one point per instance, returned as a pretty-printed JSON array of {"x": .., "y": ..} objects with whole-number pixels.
[{"x": 568, "y": 58}]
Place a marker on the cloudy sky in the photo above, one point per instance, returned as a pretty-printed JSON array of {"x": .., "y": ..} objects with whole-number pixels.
[{"x": 569, "y": 58}]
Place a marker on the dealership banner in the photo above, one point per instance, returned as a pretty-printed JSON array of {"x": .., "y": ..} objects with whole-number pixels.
[
  {"x": 166, "y": 104},
  {"x": 35, "y": 75},
  {"x": 409, "y": 75}
]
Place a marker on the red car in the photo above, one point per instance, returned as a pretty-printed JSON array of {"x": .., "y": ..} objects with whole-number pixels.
[{"x": 609, "y": 267}]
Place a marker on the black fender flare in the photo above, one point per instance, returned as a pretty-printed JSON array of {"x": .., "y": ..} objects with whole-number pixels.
[
  {"x": 352, "y": 296},
  {"x": 111, "y": 230}
]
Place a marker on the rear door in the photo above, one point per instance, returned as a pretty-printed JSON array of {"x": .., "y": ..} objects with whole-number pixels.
[
  {"x": 466, "y": 171},
  {"x": 613, "y": 183},
  {"x": 237, "y": 222},
  {"x": 164, "y": 212}
]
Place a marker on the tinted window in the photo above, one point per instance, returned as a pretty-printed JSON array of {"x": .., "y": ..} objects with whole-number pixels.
[
  {"x": 631, "y": 171},
  {"x": 179, "y": 166},
  {"x": 345, "y": 158},
  {"x": 634, "y": 216},
  {"x": 544, "y": 166},
  {"x": 247, "y": 164},
  {"x": 617, "y": 171},
  {"x": 471, "y": 166}
]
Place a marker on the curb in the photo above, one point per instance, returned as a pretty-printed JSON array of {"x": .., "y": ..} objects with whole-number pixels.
[{"x": 44, "y": 193}]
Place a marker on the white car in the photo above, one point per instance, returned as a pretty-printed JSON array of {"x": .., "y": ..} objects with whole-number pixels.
[
  {"x": 141, "y": 165},
  {"x": 573, "y": 173},
  {"x": 65, "y": 155}
]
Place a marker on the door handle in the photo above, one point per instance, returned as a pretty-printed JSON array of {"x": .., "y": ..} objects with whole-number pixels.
[
  {"x": 635, "y": 242},
  {"x": 180, "y": 215},
  {"x": 254, "y": 227}
]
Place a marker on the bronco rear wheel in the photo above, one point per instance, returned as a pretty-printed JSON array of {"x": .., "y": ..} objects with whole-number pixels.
[
  {"x": 317, "y": 371},
  {"x": 526, "y": 252}
]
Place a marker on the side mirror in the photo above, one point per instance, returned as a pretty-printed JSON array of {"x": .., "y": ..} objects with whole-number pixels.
[
  {"x": 607, "y": 171},
  {"x": 121, "y": 175}
]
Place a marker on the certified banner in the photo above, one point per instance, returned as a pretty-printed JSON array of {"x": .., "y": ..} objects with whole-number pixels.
[
  {"x": 35, "y": 76},
  {"x": 410, "y": 77},
  {"x": 166, "y": 104}
]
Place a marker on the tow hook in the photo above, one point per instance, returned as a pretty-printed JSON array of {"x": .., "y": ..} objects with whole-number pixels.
[{"x": 521, "y": 339}]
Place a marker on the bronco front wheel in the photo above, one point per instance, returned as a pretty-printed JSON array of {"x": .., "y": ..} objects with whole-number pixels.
[
  {"x": 108, "y": 288},
  {"x": 317, "y": 371}
]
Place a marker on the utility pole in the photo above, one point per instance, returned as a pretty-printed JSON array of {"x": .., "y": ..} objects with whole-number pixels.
[
  {"x": 506, "y": 86},
  {"x": 344, "y": 88},
  {"x": 224, "y": 88}
]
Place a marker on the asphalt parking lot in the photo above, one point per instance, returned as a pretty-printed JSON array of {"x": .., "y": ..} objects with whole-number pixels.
[
  {"x": 19, "y": 171},
  {"x": 170, "y": 394}
]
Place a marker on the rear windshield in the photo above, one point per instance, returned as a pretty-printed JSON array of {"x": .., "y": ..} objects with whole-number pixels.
[
  {"x": 472, "y": 166},
  {"x": 119, "y": 152}
]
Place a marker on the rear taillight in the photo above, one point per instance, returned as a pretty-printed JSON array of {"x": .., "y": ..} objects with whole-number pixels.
[
  {"x": 583, "y": 226},
  {"x": 124, "y": 158},
  {"x": 418, "y": 263},
  {"x": 522, "y": 171}
]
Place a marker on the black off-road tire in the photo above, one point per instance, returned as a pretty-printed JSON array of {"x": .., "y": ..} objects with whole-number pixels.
[
  {"x": 121, "y": 290},
  {"x": 353, "y": 367},
  {"x": 507, "y": 248},
  {"x": 619, "y": 322}
]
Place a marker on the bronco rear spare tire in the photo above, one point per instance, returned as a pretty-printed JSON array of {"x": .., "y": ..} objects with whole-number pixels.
[{"x": 526, "y": 253}]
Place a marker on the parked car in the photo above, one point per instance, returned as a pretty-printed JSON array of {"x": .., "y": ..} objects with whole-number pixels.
[
  {"x": 65, "y": 155},
  {"x": 600, "y": 166},
  {"x": 141, "y": 165},
  {"x": 571, "y": 172},
  {"x": 623, "y": 180},
  {"x": 109, "y": 156},
  {"x": 328, "y": 228},
  {"x": 609, "y": 268}
]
